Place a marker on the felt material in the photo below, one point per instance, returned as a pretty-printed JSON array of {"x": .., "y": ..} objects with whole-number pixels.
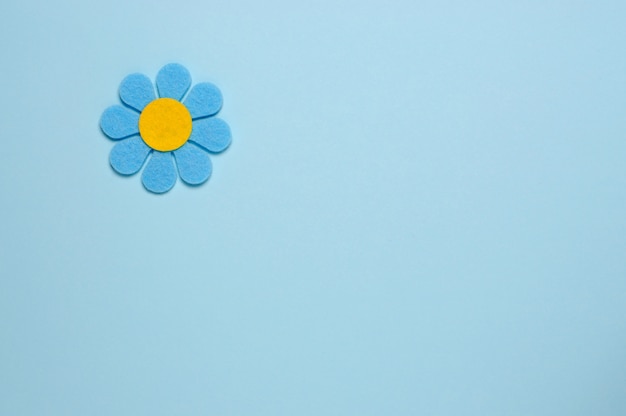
[
  {"x": 194, "y": 164},
  {"x": 159, "y": 175},
  {"x": 211, "y": 133},
  {"x": 128, "y": 156},
  {"x": 165, "y": 124},
  {"x": 173, "y": 136},
  {"x": 204, "y": 100},
  {"x": 118, "y": 122},
  {"x": 173, "y": 81},
  {"x": 137, "y": 91}
]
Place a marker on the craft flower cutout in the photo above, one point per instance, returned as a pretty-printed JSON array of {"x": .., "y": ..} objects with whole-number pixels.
[{"x": 174, "y": 133}]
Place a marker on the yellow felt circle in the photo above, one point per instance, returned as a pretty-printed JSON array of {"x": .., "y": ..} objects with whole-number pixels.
[{"x": 165, "y": 124}]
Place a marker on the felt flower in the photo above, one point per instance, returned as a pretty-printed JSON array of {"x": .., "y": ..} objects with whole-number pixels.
[{"x": 174, "y": 135}]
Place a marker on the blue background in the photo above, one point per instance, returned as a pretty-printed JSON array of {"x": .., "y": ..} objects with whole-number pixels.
[{"x": 423, "y": 212}]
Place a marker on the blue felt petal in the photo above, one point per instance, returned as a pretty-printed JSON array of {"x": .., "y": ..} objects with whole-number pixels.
[
  {"x": 159, "y": 176},
  {"x": 204, "y": 100},
  {"x": 173, "y": 81},
  {"x": 194, "y": 164},
  {"x": 211, "y": 133},
  {"x": 137, "y": 91},
  {"x": 118, "y": 122},
  {"x": 129, "y": 155}
]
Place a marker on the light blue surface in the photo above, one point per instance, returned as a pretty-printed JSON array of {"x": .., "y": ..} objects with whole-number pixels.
[{"x": 423, "y": 212}]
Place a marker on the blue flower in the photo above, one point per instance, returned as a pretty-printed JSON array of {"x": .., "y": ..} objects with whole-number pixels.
[{"x": 176, "y": 135}]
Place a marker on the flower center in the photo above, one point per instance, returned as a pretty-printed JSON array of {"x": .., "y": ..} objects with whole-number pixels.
[{"x": 165, "y": 124}]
